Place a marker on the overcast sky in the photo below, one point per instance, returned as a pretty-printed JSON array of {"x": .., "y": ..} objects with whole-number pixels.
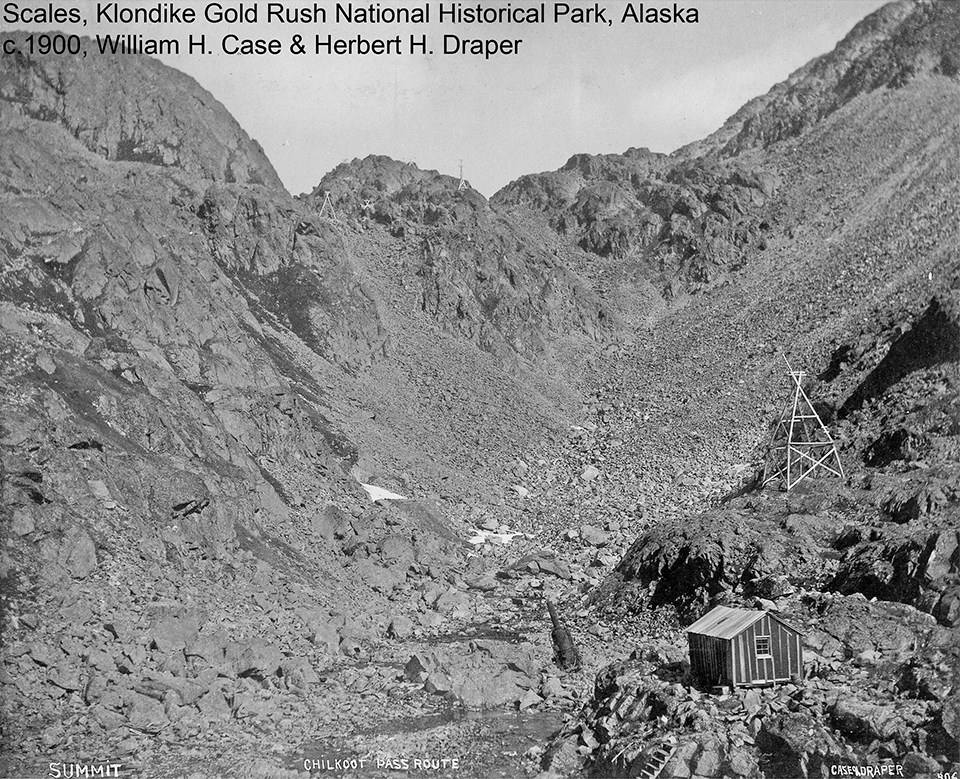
[{"x": 583, "y": 88}]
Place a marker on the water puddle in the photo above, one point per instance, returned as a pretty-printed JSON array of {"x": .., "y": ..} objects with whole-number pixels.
[{"x": 489, "y": 631}]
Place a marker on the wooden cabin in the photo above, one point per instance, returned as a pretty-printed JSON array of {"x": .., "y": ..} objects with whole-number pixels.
[{"x": 744, "y": 648}]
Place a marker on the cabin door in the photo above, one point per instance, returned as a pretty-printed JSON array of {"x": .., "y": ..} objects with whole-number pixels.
[
  {"x": 764, "y": 673},
  {"x": 764, "y": 661}
]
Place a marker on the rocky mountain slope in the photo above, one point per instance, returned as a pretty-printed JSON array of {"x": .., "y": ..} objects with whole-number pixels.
[
  {"x": 855, "y": 285},
  {"x": 687, "y": 218},
  {"x": 888, "y": 49},
  {"x": 198, "y": 369},
  {"x": 132, "y": 109},
  {"x": 479, "y": 275}
]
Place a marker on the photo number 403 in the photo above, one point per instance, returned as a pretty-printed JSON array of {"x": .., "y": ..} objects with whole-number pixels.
[{"x": 44, "y": 43}]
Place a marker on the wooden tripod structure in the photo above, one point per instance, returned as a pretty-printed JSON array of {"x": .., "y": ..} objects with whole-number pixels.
[
  {"x": 807, "y": 444},
  {"x": 462, "y": 184},
  {"x": 328, "y": 207}
]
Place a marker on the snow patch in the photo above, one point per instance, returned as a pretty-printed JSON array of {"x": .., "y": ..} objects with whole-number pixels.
[
  {"x": 379, "y": 493},
  {"x": 484, "y": 536}
]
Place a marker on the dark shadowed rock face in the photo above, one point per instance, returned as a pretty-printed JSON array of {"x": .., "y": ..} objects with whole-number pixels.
[
  {"x": 795, "y": 744},
  {"x": 912, "y": 565},
  {"x": 292, "y": 265},
  {"x": 686, "y": 566},
  {"x": 715, "y": 556},
  {"x": 933, "y": 339},
  {"x": 901, "y": 408},
  {"x": 136, "y": 109}
]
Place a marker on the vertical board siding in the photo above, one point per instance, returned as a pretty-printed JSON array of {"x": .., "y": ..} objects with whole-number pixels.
[
  {"x": 780, "y": 649},
  {"x": 750, "y": 650},
  {"x": 707, "y": 658},
  {"x": 729, "y": 662},
  {"x": 719, "y": 652},
  {"x": 737, "y": 663}
]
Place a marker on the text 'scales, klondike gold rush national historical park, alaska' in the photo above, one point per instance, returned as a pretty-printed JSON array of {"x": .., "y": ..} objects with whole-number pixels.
[{"x": 254, "y": 12}]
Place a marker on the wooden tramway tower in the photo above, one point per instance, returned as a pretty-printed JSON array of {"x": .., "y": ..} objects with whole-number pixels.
[
  {"x": 326, "y": 210},
  {"x": 800, "y": 445}
]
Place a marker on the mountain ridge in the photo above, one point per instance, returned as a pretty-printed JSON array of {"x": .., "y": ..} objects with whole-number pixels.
[{"x": 96, "y": 102}]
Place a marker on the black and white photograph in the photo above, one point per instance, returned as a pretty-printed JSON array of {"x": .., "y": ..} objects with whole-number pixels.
[{"x": 422, "y": 389}]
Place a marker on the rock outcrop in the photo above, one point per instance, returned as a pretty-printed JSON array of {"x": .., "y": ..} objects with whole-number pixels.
[
  {"x": 295, "y": 268},
  {"x": 135, "y": 109},
  {"x": 478, "y": 274},
  {"x": 679, "y": 222},
  {"x": 644, "y": 711}
]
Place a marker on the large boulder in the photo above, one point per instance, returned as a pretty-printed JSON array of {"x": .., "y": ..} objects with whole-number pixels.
[
  {"x": 867, "y": 721},
  {"x": 795, "y": 744},
  {"x": 693, "y": 561}
]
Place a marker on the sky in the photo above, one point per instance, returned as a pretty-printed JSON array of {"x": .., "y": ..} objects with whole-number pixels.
[{"x": 592, "y": 88}]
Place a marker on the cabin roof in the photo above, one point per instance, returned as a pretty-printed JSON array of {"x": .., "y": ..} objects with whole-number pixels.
[{"x": 726, "y": 622}]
